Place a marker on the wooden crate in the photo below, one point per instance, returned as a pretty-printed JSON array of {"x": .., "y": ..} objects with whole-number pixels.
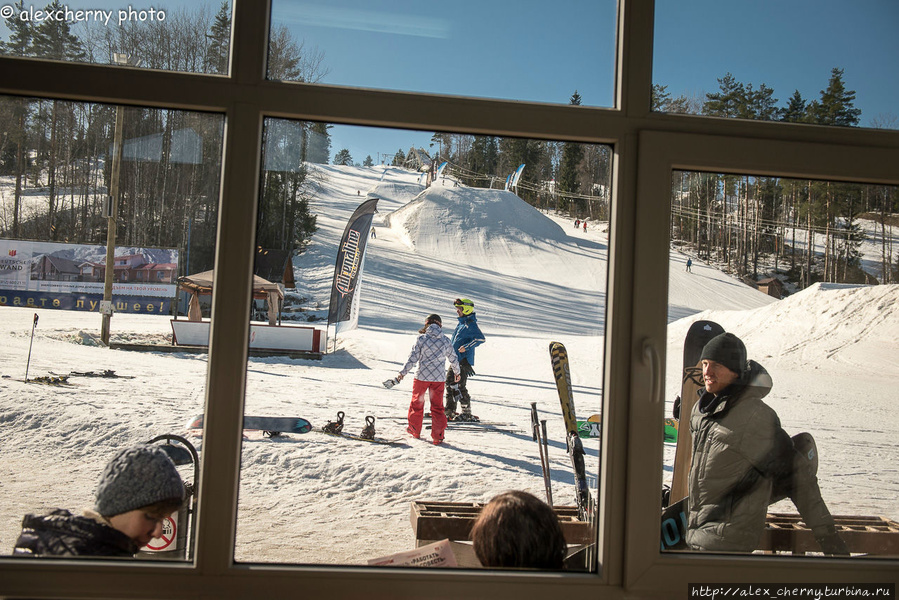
[
  {"x": 863, "y": 535},
  {"x": 432, "y": 521}
]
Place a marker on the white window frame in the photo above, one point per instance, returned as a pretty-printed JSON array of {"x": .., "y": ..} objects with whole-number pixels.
[{"x": 646, "y": 148}]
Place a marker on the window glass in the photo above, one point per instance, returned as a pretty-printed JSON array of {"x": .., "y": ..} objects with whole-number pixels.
[
  {"x": 73, "y": 177},
  {"x": 807, "y": 61},
  {"x": 125, "y": 33},
  {"x": 464, "y": 48},
  {"x": 781, "y": 337},
  {"x": 365, "y": 246}
]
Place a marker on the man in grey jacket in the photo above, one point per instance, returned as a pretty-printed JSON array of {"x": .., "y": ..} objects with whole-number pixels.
[{"x": 739, "y": 452}]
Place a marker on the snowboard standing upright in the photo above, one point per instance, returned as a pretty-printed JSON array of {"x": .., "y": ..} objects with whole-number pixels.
[
  {"x": 562, "y": 374},
  {"x": 691, "y": 381}
]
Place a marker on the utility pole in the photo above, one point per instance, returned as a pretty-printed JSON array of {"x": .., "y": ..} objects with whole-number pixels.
[{"x": 112, "y": 214}]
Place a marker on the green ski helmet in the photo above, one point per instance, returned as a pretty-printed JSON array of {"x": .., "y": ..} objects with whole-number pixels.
[{"x": 465, "y": 304}]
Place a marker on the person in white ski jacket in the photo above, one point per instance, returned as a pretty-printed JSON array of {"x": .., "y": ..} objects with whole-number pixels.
[{"x": 431, "y": 351}]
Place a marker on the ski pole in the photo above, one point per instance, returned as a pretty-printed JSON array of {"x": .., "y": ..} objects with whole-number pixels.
[
  {"x": 28, "y": 364},
  {"x": 548, "y": 478}
]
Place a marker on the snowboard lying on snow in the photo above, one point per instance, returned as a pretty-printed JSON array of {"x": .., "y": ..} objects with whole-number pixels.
[{"x": 270, "y": 425}]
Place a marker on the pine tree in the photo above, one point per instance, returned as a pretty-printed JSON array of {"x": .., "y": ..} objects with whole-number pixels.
[
  {"x": 836, "y": 104},
  {"x": 795, "y": 111},
  {"x": 729, "y": 102},
  {"x": 219, "y": 37},
  {"x": 343, "y": 158},
  {"x": 54, "y": 39},
  {"x": 368, "y": 162},
  {"x": 399, "y": 158},
  {"x": 569, "y": 167},
  {"x": 318, "y": 143},
  {"x": 21, "y": 36}
]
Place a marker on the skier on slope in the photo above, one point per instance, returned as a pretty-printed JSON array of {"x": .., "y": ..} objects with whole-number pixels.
[
  {"x": 466, "y": 337},
  {"x": 741, "y": 456},
  {"x": 430, "y": 351}
]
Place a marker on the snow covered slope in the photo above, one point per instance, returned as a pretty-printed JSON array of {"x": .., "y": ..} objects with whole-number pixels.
[{"x": 316, "y": 499}]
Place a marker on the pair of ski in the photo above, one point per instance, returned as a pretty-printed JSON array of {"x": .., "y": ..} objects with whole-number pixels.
[
  {"x": 276, "y": 426},
  {"x": 562, "y": 374}
]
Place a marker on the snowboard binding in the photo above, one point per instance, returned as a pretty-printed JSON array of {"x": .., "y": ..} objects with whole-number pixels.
[
  {"x": 368, "y": 432},
  {"x": 335, "y": 426}
]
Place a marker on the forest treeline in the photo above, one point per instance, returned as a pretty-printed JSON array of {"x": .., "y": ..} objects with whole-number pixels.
[
  {"x": 755, "y": 225},
  {"x": 60, "y": 152}
]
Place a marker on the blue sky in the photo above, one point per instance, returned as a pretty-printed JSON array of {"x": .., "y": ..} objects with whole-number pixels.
[
  {"x": 475, "y": 48},
  {"x": 538, "y": 51}
]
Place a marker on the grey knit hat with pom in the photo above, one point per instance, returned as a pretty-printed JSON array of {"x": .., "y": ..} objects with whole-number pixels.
[{"x": 136, "y": 477}]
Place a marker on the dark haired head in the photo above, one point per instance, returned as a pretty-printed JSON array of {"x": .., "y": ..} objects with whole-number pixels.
[{"x": 518, "y": 530}]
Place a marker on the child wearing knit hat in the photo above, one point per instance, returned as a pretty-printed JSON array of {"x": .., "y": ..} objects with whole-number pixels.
[{"x": 138, "y": 489}]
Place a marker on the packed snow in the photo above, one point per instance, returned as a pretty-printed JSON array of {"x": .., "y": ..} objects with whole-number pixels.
[{"x": 534, "y": 278}]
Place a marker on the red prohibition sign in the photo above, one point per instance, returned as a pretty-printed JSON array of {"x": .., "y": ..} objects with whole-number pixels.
[{"x": 168, "y": 535}]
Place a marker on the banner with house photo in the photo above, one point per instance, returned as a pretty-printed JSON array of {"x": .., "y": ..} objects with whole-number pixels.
[{"x": 72, "y": 276}]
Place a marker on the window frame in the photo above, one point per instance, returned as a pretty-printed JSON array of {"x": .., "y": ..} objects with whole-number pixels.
[{"x": 647, "y": 146}]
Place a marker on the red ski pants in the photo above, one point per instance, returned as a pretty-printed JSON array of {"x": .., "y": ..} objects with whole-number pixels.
[{"x": 417, "y": 407}]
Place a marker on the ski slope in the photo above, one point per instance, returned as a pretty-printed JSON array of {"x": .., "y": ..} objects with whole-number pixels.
[{"x": 534, "y": 278}]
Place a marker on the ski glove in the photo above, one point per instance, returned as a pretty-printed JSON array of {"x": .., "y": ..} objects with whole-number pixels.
[{"x": 465, "y": 368}]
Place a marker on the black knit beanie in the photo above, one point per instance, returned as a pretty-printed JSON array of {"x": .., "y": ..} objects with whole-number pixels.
[
  {"x": 137, "y": 477},
  {"x": 728, "y": 350}
]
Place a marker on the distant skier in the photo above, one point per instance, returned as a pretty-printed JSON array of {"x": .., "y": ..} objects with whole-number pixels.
[
  {"x": 373, "y": 234},
  {"x": 577, "y": 223},
  {"x": 466, "y": 337},
  {"x": 585, "y": 226},
  {"x": 430, "y": 351},
  {"x": 689, "y": 265}
]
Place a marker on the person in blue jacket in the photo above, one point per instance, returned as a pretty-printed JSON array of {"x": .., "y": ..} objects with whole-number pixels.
[{"x": 466, "y": 337}]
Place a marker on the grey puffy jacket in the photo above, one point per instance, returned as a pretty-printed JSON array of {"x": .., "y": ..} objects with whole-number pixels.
[{"x": 735, "y": 444}]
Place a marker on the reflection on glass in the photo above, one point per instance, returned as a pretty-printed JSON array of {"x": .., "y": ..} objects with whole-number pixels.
[
  {"x": 463, "y": 49},
  {"x": 782, "y": 313},
  {"x": 455, "y": 236},
  {"x": 81, "y": 31},
  {"x": 756, "y": 64},
  {"x": 74, "y": 176}
]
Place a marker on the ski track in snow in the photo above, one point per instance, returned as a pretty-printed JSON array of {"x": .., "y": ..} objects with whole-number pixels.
[{"x": 313, "y": 498}]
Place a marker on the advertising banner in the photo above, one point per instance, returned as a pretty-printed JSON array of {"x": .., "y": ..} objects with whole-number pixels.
[
  {"x": 72, "y": 276},
  {"x": 348, "y": 268}
]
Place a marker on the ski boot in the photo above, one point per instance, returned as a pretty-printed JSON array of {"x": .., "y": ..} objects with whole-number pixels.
[
  {"x": 368, "y": 432},
  {"x": 466, "y": 416},
  {"x": 335, "y": 426}
]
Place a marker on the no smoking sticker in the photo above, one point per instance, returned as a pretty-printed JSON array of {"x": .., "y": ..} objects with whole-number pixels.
[{"x": 167, "y": 540}]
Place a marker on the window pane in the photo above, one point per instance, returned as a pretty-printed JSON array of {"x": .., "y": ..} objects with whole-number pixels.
[
  {"x": 464, "y": 48},
  {"x": 807, "y": 61},
  {"x": 444, "y": 228},
  {"x": 68, "y": 405},
  {"x": 801, "y": 275},
  {"x": 128, "y": 33}
]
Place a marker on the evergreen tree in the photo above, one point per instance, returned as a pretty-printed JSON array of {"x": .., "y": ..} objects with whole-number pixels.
[
  {"x": 661, "y": 98},
  {"x": 399, "y": 158},
  {"x": 318, "y": 143},
  {"x": 218, "y": 52},
  {"x": 54, "y": 39},
  {"x": 21, "y": 36},
  {"x": 482, "y": 159},
  {"x": 729, "y": 102},
  {"x": 368, "y": 162},
  {"x": 343, "y": 158},
  {"x": 795, "y": 110},
  {"x": 836, "y": 104},
  {"x": 762, "y": 104}
]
